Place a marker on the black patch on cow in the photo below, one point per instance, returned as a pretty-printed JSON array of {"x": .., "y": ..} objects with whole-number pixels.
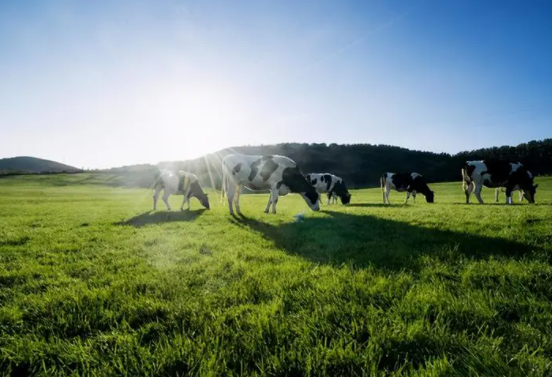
[
  {"x": 313, "y": 196},
  {"x": 328, "y": 180},
  {"x": 237, "y": 168},
  {"x": 269, "y": 167},
  {"x": 522, "y": 178},
  {"x": 498, "y": 170},
  {"x": 254, "y": 169},
  {"x": 297, "y": 183},
  {"x": 402, "y": 181},
  {"x": 469, "y": 170},
  {"x": 313, "y": 181},
  {"x": 340, "y": 189},
  {"x": 181, "y": 180},
  {"x": 197, "y": 192},
  {"x": 419, "y": 185}
]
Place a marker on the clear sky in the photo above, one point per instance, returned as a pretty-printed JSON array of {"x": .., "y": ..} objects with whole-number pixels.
[{"x": 112, "y": 82}]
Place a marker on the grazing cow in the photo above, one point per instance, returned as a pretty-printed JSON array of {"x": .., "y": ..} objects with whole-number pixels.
[
  {"x": 278, "y": 174},
  {"x": 330, "y": 184},
  {"x": 411, "y": 183},
  {"x": 499, "y": 189},
  {"x": 180, "y": 183},
  {"x": 493, "y": 174}
]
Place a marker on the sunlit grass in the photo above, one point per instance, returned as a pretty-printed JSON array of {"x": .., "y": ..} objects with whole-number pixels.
[{"x": 91, "y": 282}]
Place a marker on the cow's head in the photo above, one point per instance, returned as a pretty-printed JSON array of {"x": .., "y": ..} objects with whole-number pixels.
[
  {"x": 292, "y": 178},
  {"x": 430, "y": 196},
  {"x": 345, "y": 198},
  {"x": 529, "y": 193},
  {"x": 204, "y": 200},
  {"x": 312, "y": 198}
]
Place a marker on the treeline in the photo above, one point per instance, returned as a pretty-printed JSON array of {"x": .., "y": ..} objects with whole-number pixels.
[{"x": 361, "y": 165}]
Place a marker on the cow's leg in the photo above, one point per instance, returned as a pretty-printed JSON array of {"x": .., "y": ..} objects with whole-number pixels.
[
  {"x": 414, "y": 196},
  {"x": 238, "y": 195},
  {"x": 183, "y": 201},
  {"x": 386, "y": 195},
  {"x": 274, "y": 195},
  {"x": 497, "y": 190},
  {"x": 188, "y": 201},
  {"x": 165, "y": 198},
  {"x": 509, "y": 195},
  {"x": 468, "y": 188},
  {"x": 477, "y": 193},
  {"x": 156, "y": 196},
  {"x": 407, "y": 197},
  {"x": 269, "y": 202},
  {"x": 230, "y": 192},
  {"x": 329, "y": 197},
  {"x": 521, "y": 195}
]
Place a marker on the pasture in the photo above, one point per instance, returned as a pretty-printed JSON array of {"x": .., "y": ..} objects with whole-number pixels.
[{"x": 94, "y": 283}]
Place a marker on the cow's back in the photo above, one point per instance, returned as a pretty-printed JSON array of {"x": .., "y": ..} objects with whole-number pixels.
[{"x": 256, "y": 172}]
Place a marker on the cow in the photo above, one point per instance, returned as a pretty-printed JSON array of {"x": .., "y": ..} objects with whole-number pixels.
[
  {"x": 494, "y": 174},
  {"x": 499, "y": 189},
  {"x": 179, "y": 183},
  {"x": 412, "y": 183},
  {"x": 279, "y": 174},
  {"x": 330, "y": 184}
]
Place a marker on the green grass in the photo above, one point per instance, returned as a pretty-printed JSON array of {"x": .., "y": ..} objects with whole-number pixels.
[{"x": 92, "y": 283}]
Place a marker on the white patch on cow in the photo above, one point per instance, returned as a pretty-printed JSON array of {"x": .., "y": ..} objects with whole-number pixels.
[{"x": 387, "y": 185}]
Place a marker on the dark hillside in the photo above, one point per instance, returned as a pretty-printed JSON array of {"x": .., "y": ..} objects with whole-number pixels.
[
  {"x": 26, "y": 164},
  {"x": 361, "y": 165}
]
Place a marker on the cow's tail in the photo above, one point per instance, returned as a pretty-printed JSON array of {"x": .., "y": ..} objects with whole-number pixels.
[
  {"x": 465, "y": 179},
  {"x": 224, "y": 184},
  {"x": 157, "y": 181},
  {"x": 383, "y": 181}
]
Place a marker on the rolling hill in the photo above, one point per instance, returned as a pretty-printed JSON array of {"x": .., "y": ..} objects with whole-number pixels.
[{"x": 27, "y": 164}]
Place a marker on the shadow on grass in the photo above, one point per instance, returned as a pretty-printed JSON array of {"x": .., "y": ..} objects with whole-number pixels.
[
  {"x": 372, "y": 205},
  {"x": 150, "y": 217},
  {"x": 363, "y": 240}
]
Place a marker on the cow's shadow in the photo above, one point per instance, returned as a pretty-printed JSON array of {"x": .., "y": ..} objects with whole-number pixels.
[
  {"x": 157, "y": 217},
  {"x": 372, "y": 205},
  {"x": 364, "y": 240}
]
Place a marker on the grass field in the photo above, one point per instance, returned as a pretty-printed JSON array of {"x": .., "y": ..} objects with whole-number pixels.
[{"x": 93, "y": 283}]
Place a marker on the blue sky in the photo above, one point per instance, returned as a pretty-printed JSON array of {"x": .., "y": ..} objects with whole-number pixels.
[{"x": 108, "y": 83}]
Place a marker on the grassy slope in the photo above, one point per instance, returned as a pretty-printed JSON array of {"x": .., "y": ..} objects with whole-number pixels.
[{"x": 90, "y": 281}]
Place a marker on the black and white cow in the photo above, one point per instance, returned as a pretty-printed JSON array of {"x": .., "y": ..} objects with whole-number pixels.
[
  {"x": 490, "y": 173},
  {"x": 330, "y": 184},
  {"x": 278, "y": 174},
  {"x": 412, "y": 183},
  {"x": 179, "y": 183}
]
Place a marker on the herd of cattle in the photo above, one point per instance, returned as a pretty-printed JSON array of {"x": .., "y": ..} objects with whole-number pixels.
[{"x": 281, "y": 176}]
